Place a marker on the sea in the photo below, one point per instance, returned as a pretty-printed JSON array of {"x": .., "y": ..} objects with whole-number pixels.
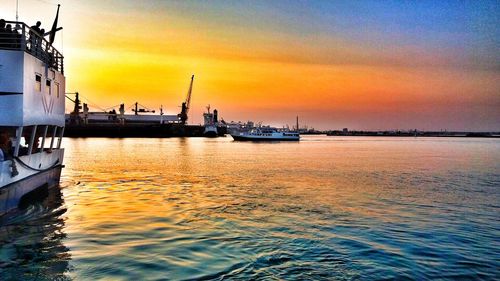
[{"x": 324, "y": 208}]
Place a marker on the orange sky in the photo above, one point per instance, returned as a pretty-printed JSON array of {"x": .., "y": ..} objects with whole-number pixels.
[{"x": 269, "y": 62}]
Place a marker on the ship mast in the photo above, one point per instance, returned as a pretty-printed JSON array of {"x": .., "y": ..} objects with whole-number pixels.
[{"x": 17, "y": 10}]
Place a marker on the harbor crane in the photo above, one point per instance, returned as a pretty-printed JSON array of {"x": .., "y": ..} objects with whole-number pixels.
[
  {"x": 183, "y": 116},
  {"x": 76, "y": 101},
  {"x": 74, "y": 115},
  {"x": 138, "y": 110}
]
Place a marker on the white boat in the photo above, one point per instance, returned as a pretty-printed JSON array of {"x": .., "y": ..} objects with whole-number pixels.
[
  {"x": 265, "y": 134},
  {"x": 32, "y": 88},
  {"x": 210, "y": 123}
]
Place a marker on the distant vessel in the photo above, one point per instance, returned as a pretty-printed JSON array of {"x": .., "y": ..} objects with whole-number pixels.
[
  {"x": 142, "y": 123},
  {"x": 142, "y": 114},
  {"x": 32, "y": 86},
  {"x": 210, "y": 123},
  {"x": 265, "y": 134},
  {"x": 249, "y": 132}
]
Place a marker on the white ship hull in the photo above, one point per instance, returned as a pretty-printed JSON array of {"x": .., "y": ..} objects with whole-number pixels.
[
  {"x": 38, "y": 170},
  {"x": 276, "y": 136},
  {"x": 32, "y": 106}
]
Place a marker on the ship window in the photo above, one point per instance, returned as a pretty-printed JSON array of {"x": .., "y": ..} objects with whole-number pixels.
[
  {"x": 57, "y": 89},
  {"x": 47, "y": 86},
  {"x": 38, "y": 82}
]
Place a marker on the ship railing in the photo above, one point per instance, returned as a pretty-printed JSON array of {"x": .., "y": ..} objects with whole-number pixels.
[{"x": 23, "y": 38}]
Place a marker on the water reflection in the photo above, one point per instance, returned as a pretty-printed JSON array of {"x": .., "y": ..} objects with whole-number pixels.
[
  {"x": 321, "y": 209},
  {"x": 31, "y": 241}
]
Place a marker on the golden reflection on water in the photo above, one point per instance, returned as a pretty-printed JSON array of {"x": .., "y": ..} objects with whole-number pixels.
[
  {"x": 179, "y": 208},
  {"x": 124, "y": 180}
]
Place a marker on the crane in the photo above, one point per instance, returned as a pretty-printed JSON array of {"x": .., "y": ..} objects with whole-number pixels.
[
  {"x": 74, "y": 116},
  {"x": 142, "y": 110},
  {"x": 183, "y": 116},
  {"x": 77, "y": 107}
]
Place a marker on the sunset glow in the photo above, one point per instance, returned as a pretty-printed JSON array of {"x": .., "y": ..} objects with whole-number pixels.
[{"x": 360, "y": 64}]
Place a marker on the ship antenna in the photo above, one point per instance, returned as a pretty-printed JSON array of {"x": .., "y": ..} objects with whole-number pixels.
[{"x": 17, "y": 10}]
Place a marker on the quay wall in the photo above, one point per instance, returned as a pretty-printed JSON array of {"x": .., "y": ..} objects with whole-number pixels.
[{"x": 136, "y": 130}]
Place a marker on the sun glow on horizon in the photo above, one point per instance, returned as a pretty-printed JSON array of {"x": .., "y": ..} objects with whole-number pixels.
[{"x": 271, "y": 61}]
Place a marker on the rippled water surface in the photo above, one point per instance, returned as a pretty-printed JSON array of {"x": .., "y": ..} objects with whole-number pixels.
[{"x": 326, "y": 208}]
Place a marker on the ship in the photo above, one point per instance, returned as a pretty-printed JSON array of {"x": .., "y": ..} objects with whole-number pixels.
[
  {"x": 210, "y": 123},
  {"x": 32, "y": 88},
  {"x": 266, "y": 133},
  {"x": 82, "y": 116},
  {"x": 142, "y": 122}
]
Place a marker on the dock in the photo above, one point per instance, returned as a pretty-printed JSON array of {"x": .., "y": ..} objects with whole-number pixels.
[{"x": 131, "y": 130}]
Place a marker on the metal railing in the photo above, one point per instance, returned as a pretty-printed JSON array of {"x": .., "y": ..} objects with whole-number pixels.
[{"x": 23, "y": 38}]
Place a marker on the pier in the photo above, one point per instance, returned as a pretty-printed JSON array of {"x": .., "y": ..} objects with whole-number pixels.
[{"x": 137, "y": 130}]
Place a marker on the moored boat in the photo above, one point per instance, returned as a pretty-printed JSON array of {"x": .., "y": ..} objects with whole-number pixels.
[
  {"x": 32, "y": 87},
  {"x": 210, "y": 126}
]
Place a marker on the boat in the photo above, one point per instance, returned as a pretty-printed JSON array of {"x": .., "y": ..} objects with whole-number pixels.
[
  {"x": 32, "y": 88},
  {"x": 141, "y": 114},
  {"x": 210, "y": 125},
  {"x": 266, "y": 133},
  {"x": 143, "y": 122}
]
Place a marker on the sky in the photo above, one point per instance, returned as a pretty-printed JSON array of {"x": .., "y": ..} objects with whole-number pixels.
[{"x": 364, "y": 65}]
